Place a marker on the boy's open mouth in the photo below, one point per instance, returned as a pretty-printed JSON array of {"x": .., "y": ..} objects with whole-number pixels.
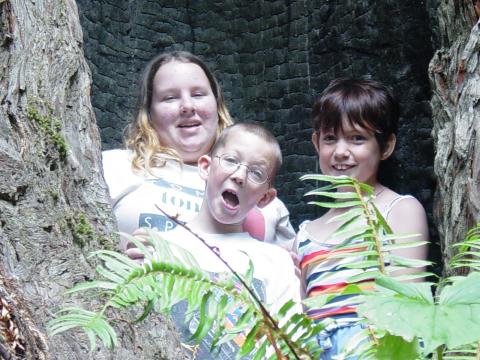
[{"x": 230, "y": 198}]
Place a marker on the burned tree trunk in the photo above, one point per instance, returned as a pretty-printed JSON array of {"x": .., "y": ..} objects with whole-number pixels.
[
  {"x": 455, "y": 76},
  {"x": 53, "y": 201}
]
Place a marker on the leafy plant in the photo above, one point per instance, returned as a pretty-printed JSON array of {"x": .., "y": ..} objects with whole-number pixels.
[
  {"x": 468, "y": 255},
  {"x": 409, "y": 310},
  {"x": 403, "y": 320},
  {"x": 169, "y": 275},
  {"x": 439, "y": 323},
  {"x": 364, "y": 224},
  {"x": 366, "y": 249},
  {"x": 367, "y": 238}
]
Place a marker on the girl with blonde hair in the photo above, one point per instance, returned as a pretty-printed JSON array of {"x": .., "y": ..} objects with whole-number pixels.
[{"x": 180, "y": 113}]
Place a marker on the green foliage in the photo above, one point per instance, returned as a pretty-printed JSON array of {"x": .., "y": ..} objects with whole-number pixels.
[
  {"x": 367, "y": 238},
  {"x": 169, "y": 275},
  {"x": 468, "y": 255},
  {"x": 409, "y": 310},
  {"x": 395, "y": 347},
  {"x": 403, "y": 319},
  {"x": 401, "y": 315},
  {"x": 82, "y": 231},
  {"x": 51, "y": 127},
  {"x": 368, "y": 241},
  {"x": 363, "y": 224}
]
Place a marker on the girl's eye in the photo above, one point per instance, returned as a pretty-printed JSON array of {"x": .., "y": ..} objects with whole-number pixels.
[
  {"x": 168, "y": 98},
  {"x": 358, "y": 138},
  {"x": 328, "y": 138},
  {"x": 198, "y": 94}
]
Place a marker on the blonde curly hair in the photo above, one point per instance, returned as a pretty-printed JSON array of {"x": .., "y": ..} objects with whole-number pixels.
[{"x": 141, "y": 137}]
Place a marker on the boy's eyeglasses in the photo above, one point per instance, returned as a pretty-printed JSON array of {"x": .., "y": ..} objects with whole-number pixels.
[{"x": 255, "y": 173}]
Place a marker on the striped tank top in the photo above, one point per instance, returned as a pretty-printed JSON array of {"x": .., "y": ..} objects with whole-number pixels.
[{"x": 325, "y": 275}]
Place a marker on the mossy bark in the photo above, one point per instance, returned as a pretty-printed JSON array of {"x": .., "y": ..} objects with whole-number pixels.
[
  {"x": 455, "y": 78},
  {"x": 54, "y": 206}
]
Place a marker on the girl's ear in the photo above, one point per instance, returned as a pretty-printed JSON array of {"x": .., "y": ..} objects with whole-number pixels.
[
  {"x": 389, "y": 147},
  {"x": 204, "y": 163},
  {"x": 315, "y": 140},
  {"x": 269, "y": 195}
]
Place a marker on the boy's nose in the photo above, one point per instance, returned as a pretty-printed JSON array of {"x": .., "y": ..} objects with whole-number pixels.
[{"x": 240, "y": 174}]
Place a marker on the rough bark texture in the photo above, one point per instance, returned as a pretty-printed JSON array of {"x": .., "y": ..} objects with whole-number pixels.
[
  {"x": 53, "y": 202},
  {"x": 455, "y": 78}
]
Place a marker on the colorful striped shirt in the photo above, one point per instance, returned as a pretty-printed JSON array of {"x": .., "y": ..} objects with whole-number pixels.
[{"x": 325, "y": 275}]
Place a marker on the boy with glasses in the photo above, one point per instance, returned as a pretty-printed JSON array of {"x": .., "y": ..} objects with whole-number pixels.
[{"x": 239, "y": 174}]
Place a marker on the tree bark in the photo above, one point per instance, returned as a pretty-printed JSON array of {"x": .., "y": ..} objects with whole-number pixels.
[
  {"x": 455, "y": 78},
  {"x": 54, "y": 206}
]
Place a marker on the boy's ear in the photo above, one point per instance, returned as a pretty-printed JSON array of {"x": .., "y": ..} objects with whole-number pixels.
[
  {"x": 269, "y": 195},
  {"x": 204, "y": 163},
  {"x": 315, "y": 140},
  {"x": 389, "y": 147}
]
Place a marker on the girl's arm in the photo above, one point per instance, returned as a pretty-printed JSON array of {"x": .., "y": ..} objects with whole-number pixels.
[{"x": 408, "y": 217}]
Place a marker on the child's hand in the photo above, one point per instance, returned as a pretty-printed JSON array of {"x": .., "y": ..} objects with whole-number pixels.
[
  {"x": 132, "y": 251},
  {"x": 296, "y": 262},
  {"x": 295, "y": 258}
]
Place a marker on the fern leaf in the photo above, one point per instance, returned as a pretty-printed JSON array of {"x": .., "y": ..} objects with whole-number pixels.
[
  {"x": 347, "y": 215},
  {"x": 250, "y": 340},
  {"x": 96, "y": 284},
  {"x": 402, "y": 245},
  {"x": 109, "y": 274},
  {"x": 333, "y": 195},
  {"x": 206, "y": 321},
  {"x": 336, "y": 205}
]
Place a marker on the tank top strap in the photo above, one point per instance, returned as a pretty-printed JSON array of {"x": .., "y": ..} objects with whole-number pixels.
[{"x": 394, "y": 202}]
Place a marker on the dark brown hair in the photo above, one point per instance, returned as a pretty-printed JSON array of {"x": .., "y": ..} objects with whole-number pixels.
[{"x": 366, "y": 103}]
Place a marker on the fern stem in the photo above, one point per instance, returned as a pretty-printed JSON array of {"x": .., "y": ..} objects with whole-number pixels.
[
  {"x": 371, "y": 224},
  {"x": 372, "y": 336},
  {"x": 271, "y": 338},
  {"x": 440, "y": 352}
]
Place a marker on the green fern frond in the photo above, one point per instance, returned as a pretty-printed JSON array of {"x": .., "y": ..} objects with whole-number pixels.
[
  {"x": 93, "y": 324},
  {"x": 468, "y": 255},
  {"x": 364, "y": 236},
  {"x": 363, "y": 226},
  {"x": 159, "y": 285}
]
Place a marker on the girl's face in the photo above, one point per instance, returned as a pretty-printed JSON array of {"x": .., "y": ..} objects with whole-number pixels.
[
  {"x": 184, "y": 109},
  {"x": 354, "y": 151}
]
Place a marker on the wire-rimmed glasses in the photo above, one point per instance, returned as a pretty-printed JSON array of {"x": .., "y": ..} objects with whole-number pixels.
[{"x": 257, "y": 174}]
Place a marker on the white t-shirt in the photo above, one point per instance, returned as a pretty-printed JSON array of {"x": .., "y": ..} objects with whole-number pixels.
[
  {"x": 274, "y": 276},
  {"x": 178, "y": 190}
]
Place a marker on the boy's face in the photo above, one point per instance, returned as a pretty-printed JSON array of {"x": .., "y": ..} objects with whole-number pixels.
[
  {"x": 353, "y": 151},
  {"x": 232, "y": 191}
]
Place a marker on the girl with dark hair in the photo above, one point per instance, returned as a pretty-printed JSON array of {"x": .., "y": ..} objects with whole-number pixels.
[{"x": 354, "y": 129}]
